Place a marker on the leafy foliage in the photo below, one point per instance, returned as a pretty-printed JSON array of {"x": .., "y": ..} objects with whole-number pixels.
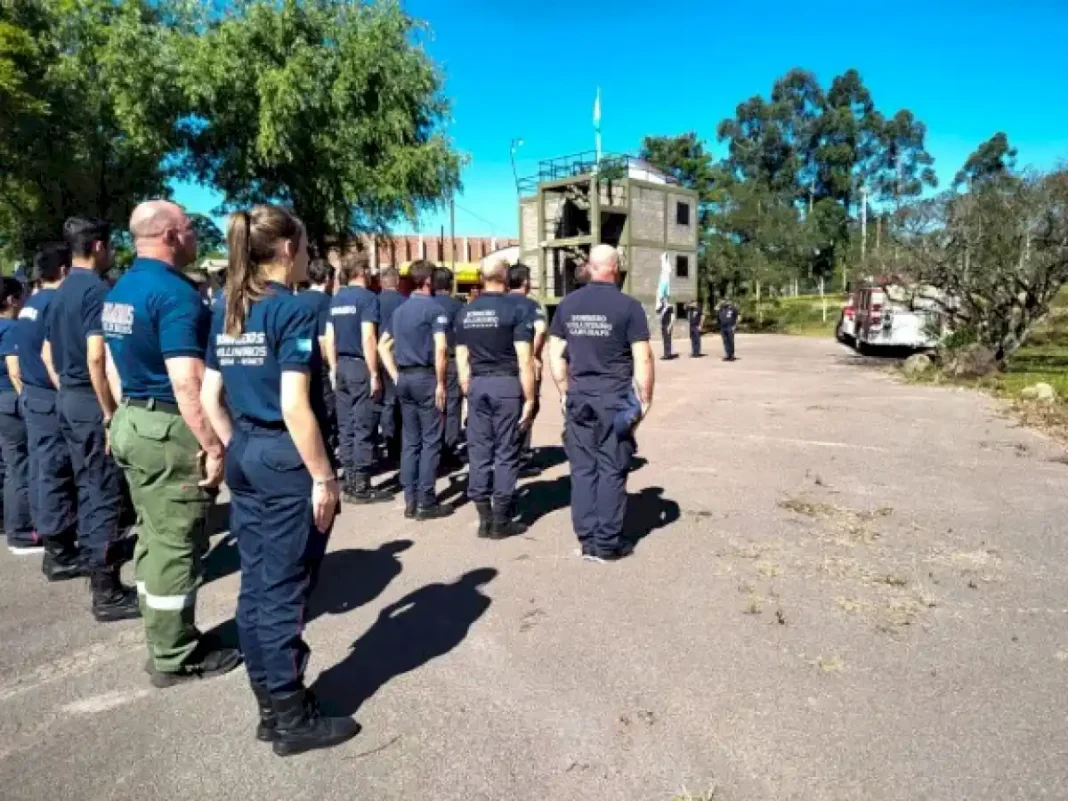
[{"x": 327, "y": 106}]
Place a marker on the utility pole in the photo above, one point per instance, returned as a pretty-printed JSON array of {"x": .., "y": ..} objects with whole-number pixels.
[
  {"x": 864, "y": 227},
  {"x": 452, "y": 235},
  {"x": 516, "y": 144}
]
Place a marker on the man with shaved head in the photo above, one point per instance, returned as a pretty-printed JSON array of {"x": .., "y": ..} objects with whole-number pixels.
[
  {"x": 75, "y": 356},
  {"x": 157, "y": 332},
  {"x": 599, "y": 348}
]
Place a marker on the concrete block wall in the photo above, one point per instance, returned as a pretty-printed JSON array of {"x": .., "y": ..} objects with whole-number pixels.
[
  {"x": 682, "y": 236},
  {"x": 647, "y": 213},
  {"x": 645, "y": 265}
]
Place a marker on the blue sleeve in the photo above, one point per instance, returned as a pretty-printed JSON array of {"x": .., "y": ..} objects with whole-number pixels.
[
  {"x": 523, "y": 327},
  {"x": 181, "y": 324},
  {"x": 637, "y": 326},
  {"x": 297, "y": 324},
  {"x": 92, "y": 308},
  {"x": 8, "y": 342},
  {"x": 371, "y": 312},
  {"x": 558, "y": 329},
  {"x": 324, "y": 316},
  {"x": 211, "y": 358},
  {"x": 439, "y": 320}
]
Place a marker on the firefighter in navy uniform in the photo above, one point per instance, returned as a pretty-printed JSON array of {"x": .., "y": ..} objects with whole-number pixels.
[
  {"x": 263, "y": 352},
  {"x": 727, "y": 315},
  {"x": 452, "y": 436},
  {"x": 389, "y": 410},
  {"x": 75, "y": 352},
  {"x": 318, "y": 295},
  {"x": 665, "y": 313},
  {"x": 352, "y": 351},
  {"x": 519, "y": 288},
  {"x": 53, "y": 494},
  {"x": 18, "y": 521},
  {"x": 415, "y": 350},
  {"x": 695, "y": 315},
  {"x": 599, "y": 347},
  {"x": 494, "y": 336}
]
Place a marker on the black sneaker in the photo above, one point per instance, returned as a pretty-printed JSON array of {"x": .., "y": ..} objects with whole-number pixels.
[
  {"x": 435, "y": 512},
  {"x": 204, "y": 663},
  {"x": 613, "y": 555}
]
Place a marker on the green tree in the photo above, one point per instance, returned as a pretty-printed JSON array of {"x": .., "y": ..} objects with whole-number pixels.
[
  {"x": 331, "y": 107},
  {"x": 91, "y": 86},
  {"x": 993, "y": 159}
]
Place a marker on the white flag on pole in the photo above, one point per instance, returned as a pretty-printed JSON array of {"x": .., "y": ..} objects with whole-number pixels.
[{"x": 597, "y": 122}]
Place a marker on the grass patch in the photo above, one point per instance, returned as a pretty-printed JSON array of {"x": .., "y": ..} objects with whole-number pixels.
[{"x": 800, "y": 316}]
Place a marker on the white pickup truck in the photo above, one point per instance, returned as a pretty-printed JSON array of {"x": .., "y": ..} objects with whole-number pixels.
[{"x": 895, "y": 316}]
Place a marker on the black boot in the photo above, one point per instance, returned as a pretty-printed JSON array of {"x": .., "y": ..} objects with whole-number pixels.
[
  {"x": 485, "y": 518},
  {"x": 112, "y": 600},
  {"x": 61, "y": 562},
  {"x": 434, "y": 512},
  {"x": 359, "y": 491},
  {"x": 302, "y": 727},
  {"x": 503, "y": 525},
  {"x": 266, "y": 729}
]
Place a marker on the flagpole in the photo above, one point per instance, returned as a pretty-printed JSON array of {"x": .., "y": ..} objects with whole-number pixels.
[{"x": 597, "y": 126}]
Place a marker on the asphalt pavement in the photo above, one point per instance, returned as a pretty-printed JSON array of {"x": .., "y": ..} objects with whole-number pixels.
[{"x": 845, "y": 588}]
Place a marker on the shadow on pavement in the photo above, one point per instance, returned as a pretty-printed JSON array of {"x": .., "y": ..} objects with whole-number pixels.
[
  {"x": 456, "y": 493},
  {"x": 347, "y": 579},
  {"x": 548, "y": 457},
  {"x": 647, "y": 511},
  {"x": 539, "y": 498},
  {"x": 408, "y": 634}
]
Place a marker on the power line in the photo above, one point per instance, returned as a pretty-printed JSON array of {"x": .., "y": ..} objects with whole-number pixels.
[{"x": 493, "y": 228}]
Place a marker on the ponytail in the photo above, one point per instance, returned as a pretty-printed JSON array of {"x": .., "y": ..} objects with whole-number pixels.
[{"x": 252, "y": 239}]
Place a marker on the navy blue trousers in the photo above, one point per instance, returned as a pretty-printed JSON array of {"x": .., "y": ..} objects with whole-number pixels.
[
  {"x": 18, "y": 522},
  {"x": 280, "y": 551},
  {"x": 728, "y": 342},
  {"x": 665, "y": 332},
  {"x": 494, "y": 405},
  {"x": 53, "y": 493},
  {"x": 421, "y": 434},
  {"x": 600, "y": 461},
  {"x": 355, "y": 415},
  {"x": 695, "y": 341},
  {"x": 98, "y": 478},
  {"x": 453, "y": 409},
  {"x": 389, "y": 414}
]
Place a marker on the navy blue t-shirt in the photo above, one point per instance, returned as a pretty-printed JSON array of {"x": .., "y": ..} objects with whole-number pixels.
[
  {"x": 73, "y": 316},
  {"x": 280, "y": 335},
  {"x": 413, "y": 326},
  {"x": 532, "y": 307},
  {"x": 600, "y": 324},
  {"x": 727, "y": 315},
  {"x": 8, "y": 347},
  {"x": 217, "y": 299},
  {"x": 452, "y": 308},
  {"x": 29, "y": 336},
  {"x": 388, "y": 301},
  {"x": 351, "y": 307},
  {"x": 489, "y": 327},
  {"x": 153, "y": 313},
  {"x": 320, "y": 303}
]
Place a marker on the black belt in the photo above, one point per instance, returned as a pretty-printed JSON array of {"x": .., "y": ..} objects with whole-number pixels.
[
  {"x": 416, "y": 368},
  {"x": 270, "y": 425},
  {"x": 495, "y": 375},
  {"x": 153, "y": 405},
  {"x": 351, "y": 356}
]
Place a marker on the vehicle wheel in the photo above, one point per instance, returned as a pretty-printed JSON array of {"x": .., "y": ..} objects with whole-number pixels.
[{"x": 838, "y": 334}]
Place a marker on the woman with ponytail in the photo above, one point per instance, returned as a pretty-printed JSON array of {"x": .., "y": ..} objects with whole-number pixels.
[{"x": 264, "y": 354}]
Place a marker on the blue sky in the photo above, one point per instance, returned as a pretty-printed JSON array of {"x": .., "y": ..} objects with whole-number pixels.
[{"x": 531, "y": 70}]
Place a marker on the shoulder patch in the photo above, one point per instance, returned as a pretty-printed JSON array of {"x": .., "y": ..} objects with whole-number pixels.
[{"x": 304, "y": 345}]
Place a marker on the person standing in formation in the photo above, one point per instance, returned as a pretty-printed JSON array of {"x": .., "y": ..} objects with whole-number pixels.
[
  {"x": 415, "y": 351},
  {"x": 599, "y": 347},
  {"x": 319, "y": 294},
  {"x": 452, "y": 436},
  {"x": 665, "y": 312},
  {"x": 74, "y": 352},
  {"x": 696, "y": 316},
  {"x": 18, "y": 521},
  {"x": 389, "y": 414},
  {"x": 519, "y": 288},
  {"x": 264, "y": 354},
  {"x": 53, "y": 493},
  {"x": 156, "y": 328},
  {"x": 495, "y": 360},
  {"x": 352, "y": 351},
  {"x": 728, "y": 321}
]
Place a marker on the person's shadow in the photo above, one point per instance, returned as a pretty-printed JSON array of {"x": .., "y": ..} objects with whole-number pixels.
[
  {"x": 456, "y": 493},
  {"x": 347, "y": 579},
  {"x": 548, "y": 457},
  {"x": 537, "y": 499},
  {"x": 408, "y": 634},
  {"x": 647, "y": 511}
]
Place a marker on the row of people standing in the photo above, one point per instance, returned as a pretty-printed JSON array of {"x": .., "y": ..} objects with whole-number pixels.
[{"x": 726, "y": 318}]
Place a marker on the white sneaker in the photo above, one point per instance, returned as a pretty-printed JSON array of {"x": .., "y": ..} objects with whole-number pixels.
[{"x": 25, "y": 550}]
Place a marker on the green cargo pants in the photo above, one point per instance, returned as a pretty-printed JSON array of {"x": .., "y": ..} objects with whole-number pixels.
[{"x": 159, "y": 455}]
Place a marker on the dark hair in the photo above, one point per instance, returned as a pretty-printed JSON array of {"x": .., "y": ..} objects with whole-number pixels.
[
  {"x": 442, "y": 279},
  {"x": 518, "y": 274},
  {"x": 82, "y": 233},
  {"x": 421, "y": 272},
  {"x": 320, "y": 271},
  {"x": 354, "y": 265},
  {"x": 10, "y": 288},
  {"x": 50, "y": 261},
  {"x": 252, "y": 238},
  {"x": 389, "y": 278}
]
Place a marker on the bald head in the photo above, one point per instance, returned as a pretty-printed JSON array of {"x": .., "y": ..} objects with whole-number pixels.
[
  {"x": 604, "y": 263},
  {"x": 495, "y": 274},
  {"x": 161, "y": 230}
]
